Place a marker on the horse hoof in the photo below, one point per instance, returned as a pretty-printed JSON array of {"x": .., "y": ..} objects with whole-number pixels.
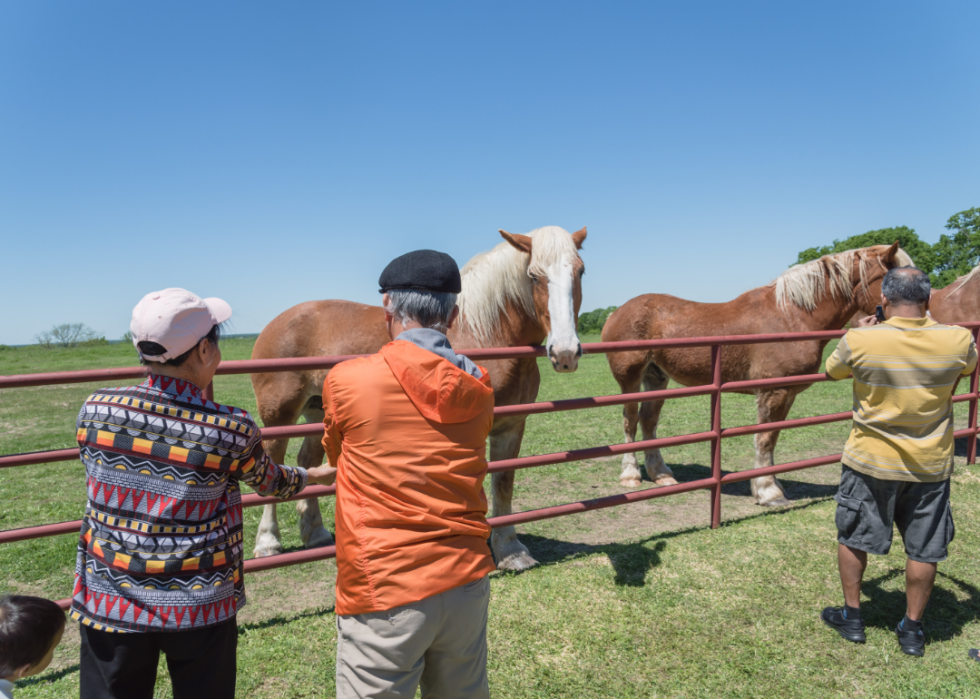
[
  {"x": 268, "y": 551},
  {"x": 519, "y": 561},
  {"x": 629, "y": 482},
  {"x": 319, "y": 537},
  {"x": 666, "y": 480},
  {"x": 778, "y": 502}
]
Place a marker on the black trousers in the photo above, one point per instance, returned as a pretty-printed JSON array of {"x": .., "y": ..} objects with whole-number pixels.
[{"x": 202, "y": 662}]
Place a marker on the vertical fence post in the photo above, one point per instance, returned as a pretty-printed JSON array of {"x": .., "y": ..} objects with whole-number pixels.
[
  {"x": 971, "y": 440},
  {"x": 716, "y": 441}
]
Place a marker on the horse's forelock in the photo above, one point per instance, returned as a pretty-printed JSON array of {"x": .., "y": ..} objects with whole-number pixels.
[{"x": 549, "y": 245}]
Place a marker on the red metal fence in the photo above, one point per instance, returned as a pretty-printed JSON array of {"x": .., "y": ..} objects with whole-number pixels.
[{"x": 713, "y": 483}]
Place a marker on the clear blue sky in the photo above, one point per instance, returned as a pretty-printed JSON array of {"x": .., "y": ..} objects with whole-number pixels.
[{"x": 273, "y": 153}]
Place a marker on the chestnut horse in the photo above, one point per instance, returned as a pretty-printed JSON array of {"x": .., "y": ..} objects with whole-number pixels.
[
  {"x": 958, "y": 302},
  {"x": 523, "y": 291},
  {"x": 819, "y": 295}
]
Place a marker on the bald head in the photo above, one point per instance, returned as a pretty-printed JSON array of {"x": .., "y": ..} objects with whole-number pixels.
[{"x": 906, "y": 286}]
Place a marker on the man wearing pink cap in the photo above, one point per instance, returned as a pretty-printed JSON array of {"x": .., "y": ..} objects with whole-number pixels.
[{"x": 159, "y": 565}]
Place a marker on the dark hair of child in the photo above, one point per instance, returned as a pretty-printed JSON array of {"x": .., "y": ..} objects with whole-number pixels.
[{"x": 28, "y": 627}]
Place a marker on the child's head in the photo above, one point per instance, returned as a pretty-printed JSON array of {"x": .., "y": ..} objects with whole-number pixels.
[{"x": 30, "y": 630}]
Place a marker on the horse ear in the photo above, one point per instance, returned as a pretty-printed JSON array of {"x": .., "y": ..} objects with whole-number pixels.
[
  {"x": 578, "y": 237},
  {"x": 891, "y": 251},
  {"x": 521, "y": 242}
]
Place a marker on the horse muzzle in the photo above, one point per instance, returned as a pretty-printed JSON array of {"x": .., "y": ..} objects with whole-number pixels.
[{"x": 565, "y": 361}]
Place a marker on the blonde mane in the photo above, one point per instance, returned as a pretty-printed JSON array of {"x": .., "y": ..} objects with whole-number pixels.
[
  {"x": 502, "y": 275},
  {"x": 806, "y": 285}
]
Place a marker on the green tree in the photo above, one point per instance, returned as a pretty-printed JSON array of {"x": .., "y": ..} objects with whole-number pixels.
[
  {"x": 959, "y": 252},
  {"x": 591, "y": 323},
  {"x": 920, "y": 250}
]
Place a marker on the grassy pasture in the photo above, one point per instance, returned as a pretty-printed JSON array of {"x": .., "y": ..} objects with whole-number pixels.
[{"x": 637, "y": 601}]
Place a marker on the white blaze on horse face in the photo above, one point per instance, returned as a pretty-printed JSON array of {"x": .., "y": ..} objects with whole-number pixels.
[{"x": 563, "y": 345}]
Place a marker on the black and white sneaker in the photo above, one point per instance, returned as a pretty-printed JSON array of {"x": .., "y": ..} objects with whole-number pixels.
[
  {"x": 911, "y": 640},
  {"x": 849, "y": 629}
]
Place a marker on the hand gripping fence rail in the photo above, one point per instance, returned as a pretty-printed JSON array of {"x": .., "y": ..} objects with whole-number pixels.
[{"x": 713, "y": 483}]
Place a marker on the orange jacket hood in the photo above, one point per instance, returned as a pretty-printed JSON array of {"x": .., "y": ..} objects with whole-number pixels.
[{"x": 439, "y": 390}]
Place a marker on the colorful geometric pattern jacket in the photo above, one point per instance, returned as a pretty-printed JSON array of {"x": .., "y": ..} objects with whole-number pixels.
[{"x": 161, "y": 542}]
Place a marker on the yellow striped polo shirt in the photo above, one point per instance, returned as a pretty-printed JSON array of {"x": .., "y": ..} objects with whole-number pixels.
[{"x": 904, "y": 371}]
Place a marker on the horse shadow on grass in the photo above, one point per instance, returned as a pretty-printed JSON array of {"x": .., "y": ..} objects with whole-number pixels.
[
  {"x": 634, "y": 559},
  {"x": 631, "y": 561},
  {"x": 945, "y": 615},
  {"x": 795, "y": 490},
  {"x": 959, "y": 447}
]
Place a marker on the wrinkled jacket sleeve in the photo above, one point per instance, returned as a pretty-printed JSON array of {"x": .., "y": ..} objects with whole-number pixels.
[
  {"x": 332, "y": 436},
  {"x": 971, "y": 359},
  {"x": 266, "y": 476},
  {"x": 839, "y": 362}
]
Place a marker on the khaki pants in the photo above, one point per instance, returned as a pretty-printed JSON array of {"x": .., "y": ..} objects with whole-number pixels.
[{"x": 440, "y": 641}]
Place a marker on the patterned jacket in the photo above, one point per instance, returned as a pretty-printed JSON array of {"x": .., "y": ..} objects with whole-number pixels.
[{"x": 161, "y": 542}]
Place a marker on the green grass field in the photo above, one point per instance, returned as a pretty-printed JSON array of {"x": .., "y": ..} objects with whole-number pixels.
[{"x": 636, "y": 601}]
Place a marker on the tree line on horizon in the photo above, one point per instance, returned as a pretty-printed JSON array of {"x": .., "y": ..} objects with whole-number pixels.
[{"x": 950, "y": 257}]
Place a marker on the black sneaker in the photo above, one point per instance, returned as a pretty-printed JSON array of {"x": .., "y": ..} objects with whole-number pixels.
[
  {"x": 911, "y": 641},
  {"x": 849, "y": 629}
]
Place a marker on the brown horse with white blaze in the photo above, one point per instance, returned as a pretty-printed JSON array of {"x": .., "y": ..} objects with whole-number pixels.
[
  {"x": 525, "y": 291},
  {"x": 819, "y": 295}
]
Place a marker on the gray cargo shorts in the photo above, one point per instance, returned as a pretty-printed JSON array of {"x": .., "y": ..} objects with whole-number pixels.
[
  {"x": 439, "y": 642},
  {"x": 867, "y": 507}
]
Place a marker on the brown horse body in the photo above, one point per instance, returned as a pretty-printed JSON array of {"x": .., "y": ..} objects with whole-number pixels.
[
  {"x": 524, "y": 291},
  {"x": 958, "y": 302},
  {"x": 821, "y": 295}
]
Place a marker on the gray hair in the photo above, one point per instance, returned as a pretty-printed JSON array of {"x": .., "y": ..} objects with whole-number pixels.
[
  {"x": 430, "y": 309},
  {"x": 906, "y": 285}
]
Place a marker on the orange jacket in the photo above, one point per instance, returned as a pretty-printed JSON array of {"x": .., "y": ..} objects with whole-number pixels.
[{"x": 407, "y": 431}]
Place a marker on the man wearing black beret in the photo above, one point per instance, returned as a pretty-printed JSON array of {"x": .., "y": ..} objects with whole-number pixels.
[{"x": 407, "y": 429}]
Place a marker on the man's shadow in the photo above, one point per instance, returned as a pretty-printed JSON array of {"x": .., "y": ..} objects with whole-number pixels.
[{"x": 945, "y": 614}]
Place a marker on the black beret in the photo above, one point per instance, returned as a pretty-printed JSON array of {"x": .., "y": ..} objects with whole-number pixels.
[{"x": 422, "y": 270}]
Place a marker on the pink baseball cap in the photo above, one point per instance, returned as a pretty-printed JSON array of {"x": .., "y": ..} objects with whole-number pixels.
[{"x": 175, "y": 319}]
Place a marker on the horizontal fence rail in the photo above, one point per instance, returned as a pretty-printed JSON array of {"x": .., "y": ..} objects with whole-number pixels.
[{"x": 714, "y": 435}]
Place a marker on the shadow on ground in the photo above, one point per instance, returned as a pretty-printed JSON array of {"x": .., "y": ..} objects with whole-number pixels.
[
  {"x": 283, "y": 620},
  {"x": 959, "y": 447},
  {"x": 631, "y": 560},
  {"x": 49, "y": 676},
  {"x": 795, "y": 489},
  {"x": 945, "y": 616}
]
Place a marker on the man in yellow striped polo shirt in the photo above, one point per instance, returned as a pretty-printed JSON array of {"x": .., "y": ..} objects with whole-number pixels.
[{"x": 899, "y": 457}]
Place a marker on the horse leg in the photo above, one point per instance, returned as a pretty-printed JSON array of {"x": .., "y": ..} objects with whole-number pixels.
[
  {"x": 773, "y": 406},
  {"x": 268, "y": 541},
  {"x": 510, "y": 553},
  {"x": 628, "y": 369},
  {"x": 654, "y": 380},
  {"x": 311, "y": 529}
]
